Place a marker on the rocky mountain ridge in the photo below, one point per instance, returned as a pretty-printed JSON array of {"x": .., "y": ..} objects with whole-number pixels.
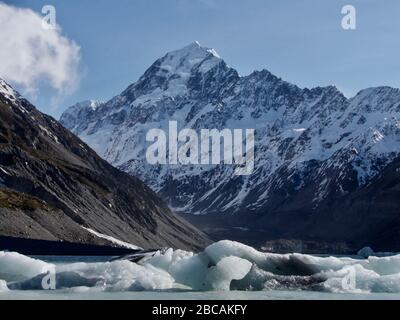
[{"x": 54, "y": 187}]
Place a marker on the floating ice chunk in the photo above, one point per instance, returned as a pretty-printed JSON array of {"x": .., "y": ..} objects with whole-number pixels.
[
  {"x": 360, "y": 279},
  {"x": 388, "y": 283},
  {"x": 225, "y": 248},
  {"x": 228, "y": 269},
  {"x": 283, "y": 264},
  {"x": 348, "y": 279},
  {"x": 186, "y": 268},
  {"x": 162, "y": 261},
  {"x": 122, "y": 275},
  {"x": 17, "y": 267},
  {"x": 199, "y": 272},
  {"x": 384, "y": 265},
  {"x": 222, "y": 266},
  {"x": 152, "y": 279},
  {"x": 191, "y": 272},
  {"x": 62, "y": 280},
  {"x": 3, "y": 286},
  {"x": 366, "y": 252},
  {"x": 170, "y": 257},
  {"x": 258, "y": 279},
  {"x": 83, "y": 289}
]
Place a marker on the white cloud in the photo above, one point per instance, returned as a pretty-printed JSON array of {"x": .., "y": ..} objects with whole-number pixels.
[{"x": 31, "y": 55}]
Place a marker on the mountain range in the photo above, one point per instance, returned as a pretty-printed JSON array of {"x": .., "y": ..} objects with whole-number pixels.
[{"x": 326, "y": 166}]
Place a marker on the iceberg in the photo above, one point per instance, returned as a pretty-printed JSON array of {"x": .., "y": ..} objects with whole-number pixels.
[
  {"x": 223, "y": 266},
  {"x": 3, "y": 286},
  {"x": 15, "y": 266}
]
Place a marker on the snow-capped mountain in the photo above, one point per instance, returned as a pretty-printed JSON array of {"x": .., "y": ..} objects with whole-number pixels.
[{"x": 312, "y": 146}]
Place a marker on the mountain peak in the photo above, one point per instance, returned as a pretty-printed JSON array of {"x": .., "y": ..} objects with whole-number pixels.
[
  {"x": 171, "y": 74},
  {"x": 183, "y": 60},
  {"x": 196, "y": 48}
]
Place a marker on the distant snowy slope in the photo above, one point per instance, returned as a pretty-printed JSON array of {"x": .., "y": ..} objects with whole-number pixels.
[{"x": 311, "y": 144}]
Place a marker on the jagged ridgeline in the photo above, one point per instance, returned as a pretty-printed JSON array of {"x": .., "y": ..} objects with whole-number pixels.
[
  {"x": 55, "y": 187},
  {"x": 318, "y": 154}
]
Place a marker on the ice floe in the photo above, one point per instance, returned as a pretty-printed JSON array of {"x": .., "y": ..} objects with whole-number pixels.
[
  {"x": 222, "y": 266},
  {"x": 3, "y": 286}
]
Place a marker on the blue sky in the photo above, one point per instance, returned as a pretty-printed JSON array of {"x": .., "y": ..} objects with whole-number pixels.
[{"x": 301, "y": 41}]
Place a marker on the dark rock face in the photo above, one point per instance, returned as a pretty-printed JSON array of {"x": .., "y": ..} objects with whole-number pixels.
[
  {"x": 314, "y": 149},
  {"x": 52, "y": 185},
  {"x": 370, "y": 215}
]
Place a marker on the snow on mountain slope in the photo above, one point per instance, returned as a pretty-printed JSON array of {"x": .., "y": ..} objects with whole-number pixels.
[
  {"x": 312, "y": 145},
  {"x": 7, "y": 91}
]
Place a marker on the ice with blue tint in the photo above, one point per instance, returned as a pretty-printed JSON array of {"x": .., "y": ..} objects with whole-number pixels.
[{"x": 222, "y": 267}]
